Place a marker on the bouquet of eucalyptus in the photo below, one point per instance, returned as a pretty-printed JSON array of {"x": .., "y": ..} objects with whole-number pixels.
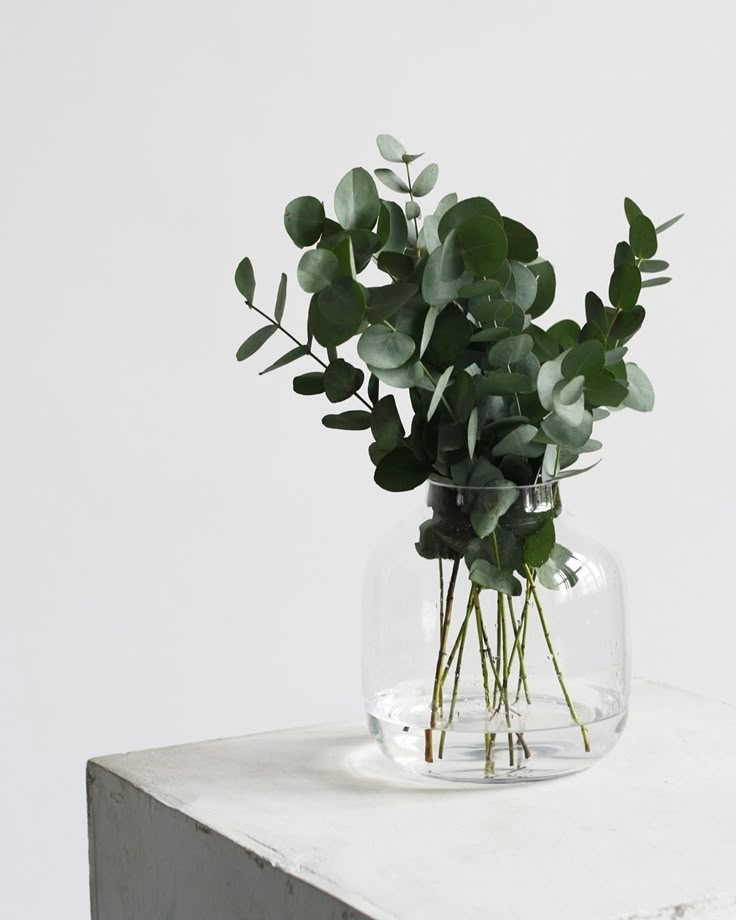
[{"x": 448, "y": 306}]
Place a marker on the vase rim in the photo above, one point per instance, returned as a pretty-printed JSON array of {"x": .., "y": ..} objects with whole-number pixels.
[{"x": 542, "y": 487}]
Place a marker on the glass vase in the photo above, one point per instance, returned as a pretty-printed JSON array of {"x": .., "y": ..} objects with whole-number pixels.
[{"x": 495, "y": 658}]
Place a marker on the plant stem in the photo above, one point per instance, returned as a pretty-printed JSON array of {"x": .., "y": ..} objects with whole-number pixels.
[
  {"x": 556, "y": 664},
  {"x": 488, "y": 737},
  {"x": 442, "y": 593},
  {"x": 301, "y": 345},
  {"x": 522, "y": 647},
  {"x": 411, "y": 196},
  {"x": 505, "y": 682},
  {"x": 462, "y": 634},
  {"x": 442, "y": 655}
]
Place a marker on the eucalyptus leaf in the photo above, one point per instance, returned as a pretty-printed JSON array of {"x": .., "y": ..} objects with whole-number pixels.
[
  {"x": 391, "y": 180},
  {"x": 510, "y": 350},
  {"x": 336, "y": 313},
  {"x": 400, "y": 471},
  {"x": 483, "y": 244},
  {"x": 490, "y": 506},
  {"x": 444, "y": 274},
  {"x": 643, "y": 237},
  {"x": 521, "y": 286},
  {"x": 293, "y": 355},
  {"x": 519, "y": 441},
  {"x": 546, "y": 288},
  {"x": 385, "y": 302},
  {"x": 438, "y": 391},
  {"x": 356, "y": 200},
  {"x": 625, "y": 286},
  {"x": 386, "y": 424},
  {"x": 550, "y": 374},
  {"x": 486, "y": 575},
  {"x": 353, "y": 420},
  {"x": 656, "y": 282},
  {"x": 653, "y": 265},
  {"x": 472, "y": 432},
  {"x": 560, "y": 570},
  {"x": 566, "y": 332},
  {"x": 632, "y": 210},
  {"x": 425, "y": 181},
  {"x": 538, "y": 546},
  {"x": 408, "y": 375},
  {"x": 390, "y": 149},
  {"x": 304, "y": 220},
  {"x": 587, "y": 359},
  {"x": 310, "y": 384},
  {"x": 412, "y": 210},
  {"x": 251, "y": 345},
  {"x": 522, "y": 243},
  {"x": 398, "y": 233},
  {"x": 641, "y": 393},
  {"x": 429, "y": 322},
  {"x": 668, "y": 223},
  {"x": 444, "y": 205},
  {"x": 571, "y": 437},
  {"x": 245, "y": 280},
  {"x": 384, "y": 348},
  {"x": 342, "y": 380},
  {"x": 317, "y": 269},
  {"x": 595, "y": 311},
  {"x": 462, "y": 211},
  {"x": 569, "y": 402}
]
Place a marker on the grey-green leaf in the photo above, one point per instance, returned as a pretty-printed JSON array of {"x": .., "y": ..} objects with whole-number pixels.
[
  {"x": 669, "y": 223},
  {"x": 472, "y": 432},
  {"x": 356, "y": 200},
  {"x": 391, "y": 180},
  {"x": 641, "y": 393},
  {"x": 425, "y": 181},
  {"x": 486, "y": 575},
  {"x": 443, "y": 275},
  {"x": 510, "y": 350},
  {"x": 519, "y": 441},
  {"x": 491, "y": 505},
  {"x": 251, "y": 345},
  {"x": 384, "y": 348},
  {"x": 656, "y": 282},
  {"x": 304, "y": 219},
  {"x": 390, "y": 149},
  {"x": 438, "y": 391},
  {"x": 317, "y": 269},
  {"x": 412, "y": 210},
  {"x": 654, "y": 265}
]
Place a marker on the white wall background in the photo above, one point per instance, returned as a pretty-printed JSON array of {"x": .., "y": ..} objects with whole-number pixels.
[{"x": 180, "y": 546}]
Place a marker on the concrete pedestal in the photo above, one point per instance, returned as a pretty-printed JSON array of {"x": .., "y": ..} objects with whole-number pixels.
[{"x": 315, "y": 824}]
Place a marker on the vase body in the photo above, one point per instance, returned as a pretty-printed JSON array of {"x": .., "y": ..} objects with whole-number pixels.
[{"x": 529, "y": 681}]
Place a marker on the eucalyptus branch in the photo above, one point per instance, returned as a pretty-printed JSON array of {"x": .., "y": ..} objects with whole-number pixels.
[{"x": 307, "y": 350}]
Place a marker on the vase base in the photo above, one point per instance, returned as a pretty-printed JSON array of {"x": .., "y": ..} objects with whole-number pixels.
[{"x": 524, "y": 754}]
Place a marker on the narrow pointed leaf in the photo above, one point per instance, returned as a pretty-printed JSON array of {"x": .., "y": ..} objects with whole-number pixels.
[
  {"x": 438, "y": 391},
  {"x": 299, "y": 352},
  {"x": 656, "y": 282},
  {"x": 472, "y": 432},
  {"x": 391, "y": 180},
  {"x": 668, "y": 223},
  {"x": 278, "y": 311},
  {"x": 389, "y": 148},
  {"x": 353, "y": 420},
  {"x": 251, "y": 345}
]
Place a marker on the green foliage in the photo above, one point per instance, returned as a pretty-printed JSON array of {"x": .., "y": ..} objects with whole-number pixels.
[{"x": 497, "y": 400}]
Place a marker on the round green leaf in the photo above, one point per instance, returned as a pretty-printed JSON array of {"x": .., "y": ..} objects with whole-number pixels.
[
  {"x": 336, "y": 313},
  {"x": 317, "y": 269},
  {"x": 643, "y": 237},
  {"x": 566, "y": 332},
  {"x": 546, "y": 288},
  {"x": 353, "y": 420},
  {"x": 425, "y": 181},
  {"x": 400, "y": 471},
  {"x": 245, "y": 280},
  {"x": 641, "y": 393},
  {"x": 304, "y": 220},
  {"x": 586, "y": 359},
  {"x": 385, "y": 301},
  {"x": 627, "y": 324},
  {"x": 251, "y": 345},
  {"x": 571, "y": 437},
  {"x": 623, "y": 253},
  {"x": 408, "y": 375},
  {"x": 538, "y": 545},
  {"x": 483, "y": 244},
  {"x": 450, "y": 336},
  {"x": 412, "y": 210},
  {"x": 311, "y": 384},
  {"x": 510, "y": 350},
  {"x": 390, "y": 149},
  {"x": 342, "y": 380},
  {"x": 463, "y": 211},
  {"x": 385, "y": 348},
  {"x": 386, "y": 424},
  {"x": 356, "y": 200},
  {"x": 523, "y": 245},
  {"x": 625, "y": 286},
  {"x": 443, "y": 274},
  {"x": 521, "y": 285}
]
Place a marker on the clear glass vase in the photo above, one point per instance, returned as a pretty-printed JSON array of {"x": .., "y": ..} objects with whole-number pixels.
[{"x": 526, "y": 681}]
